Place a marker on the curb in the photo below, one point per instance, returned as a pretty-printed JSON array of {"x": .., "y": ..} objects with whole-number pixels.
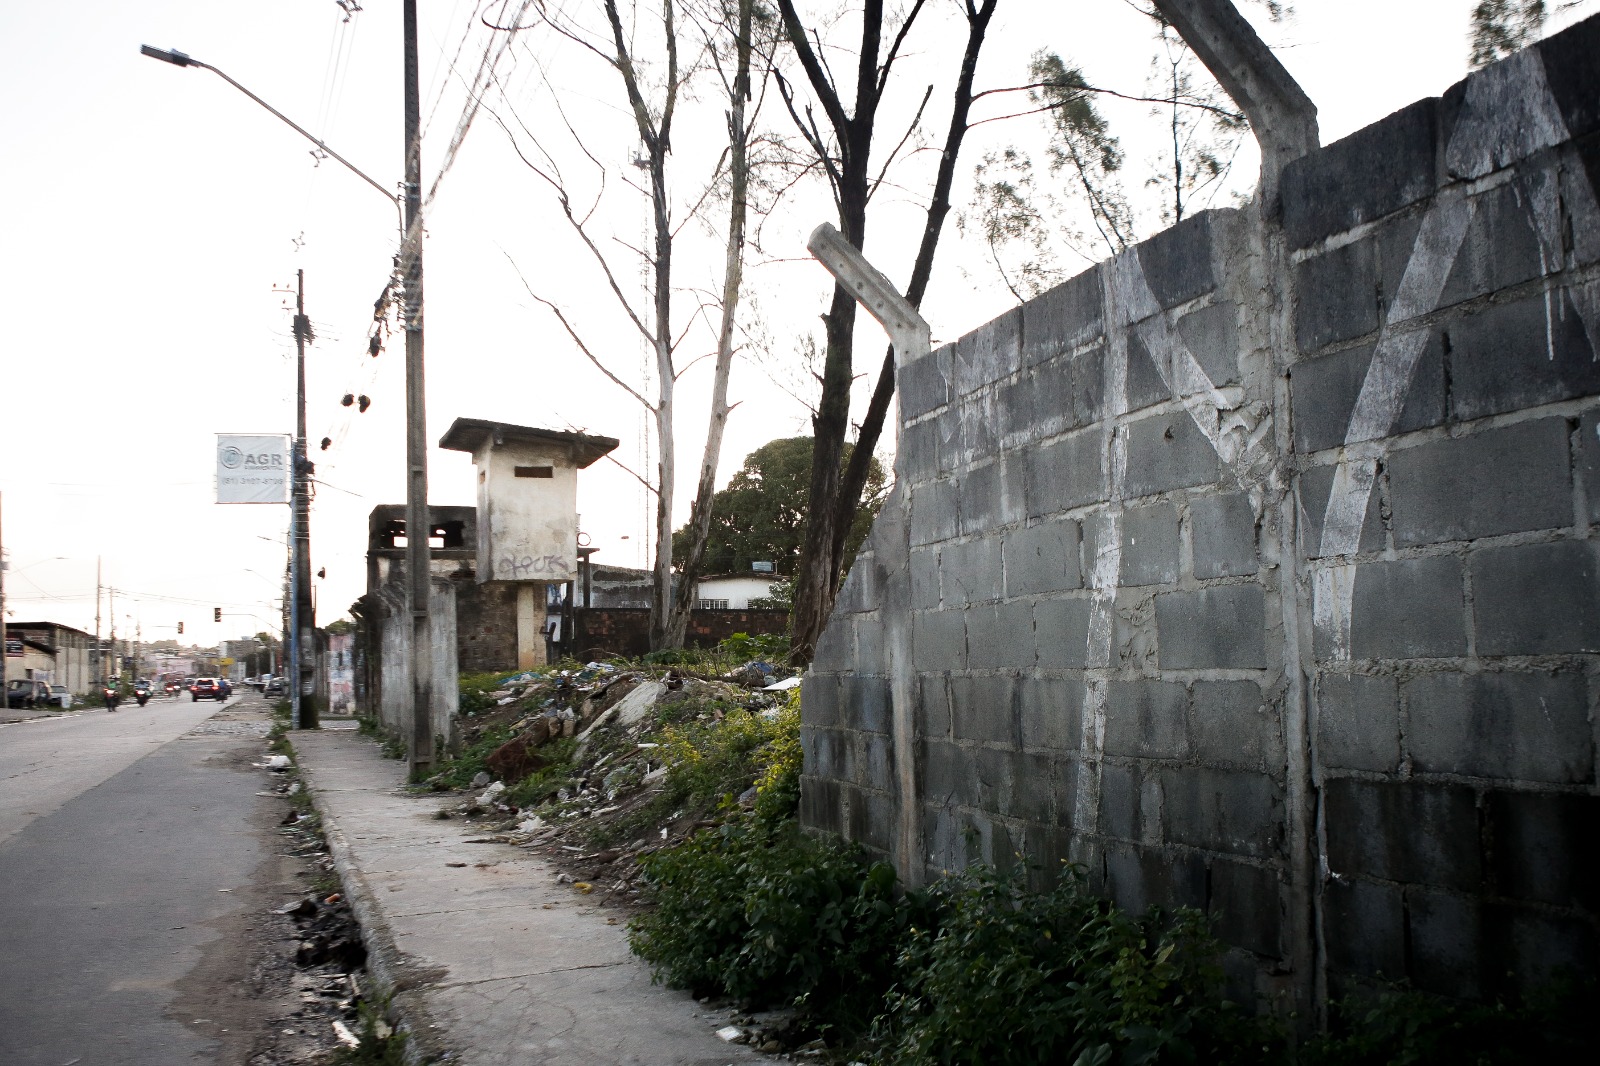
[{"x": 389, "y": 967}]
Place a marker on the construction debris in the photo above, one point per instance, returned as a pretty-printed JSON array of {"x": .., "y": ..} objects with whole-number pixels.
[{"x": 582, "y": 774}]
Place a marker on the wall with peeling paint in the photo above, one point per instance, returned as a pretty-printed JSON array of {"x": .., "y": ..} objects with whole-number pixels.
[{"x": 1256, "y": 569}]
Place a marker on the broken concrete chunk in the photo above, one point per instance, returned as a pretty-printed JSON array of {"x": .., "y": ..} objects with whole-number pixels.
[
  {"x": 638, "y": 703},
  {"x": 480, "y": 779},
  {"x": 732, "y": 1034},
  {"x": 346, "y": 1037},
  {"x": 490, "y": 793}
]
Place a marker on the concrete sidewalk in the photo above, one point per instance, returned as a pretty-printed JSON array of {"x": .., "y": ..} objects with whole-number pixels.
[{"x": 491, "y": 962}]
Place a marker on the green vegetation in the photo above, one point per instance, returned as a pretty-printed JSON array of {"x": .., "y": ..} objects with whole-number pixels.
[
  {"x": 729, "y": 655},
  {"x": 543, "y": 783},
  {"x": 772, "y": 917},
  {"x": 1001, "y": 973},
  {"x": 475, "y": 688},
  {"x": 714, "y": 753},
  {"x": 1401, "y": 1026},
  {"x": 978, "y": 968},
  {"x": 975, "y": 970},
  {"x": 761, "y": 515}
]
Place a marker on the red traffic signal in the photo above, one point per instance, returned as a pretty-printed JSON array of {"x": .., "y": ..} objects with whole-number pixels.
[
  {"x": 216, "y": 614},
  {"x": 180, "y": 629}
]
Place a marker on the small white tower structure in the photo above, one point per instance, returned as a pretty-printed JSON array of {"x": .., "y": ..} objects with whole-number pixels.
[{"x": 527, "y": 512}]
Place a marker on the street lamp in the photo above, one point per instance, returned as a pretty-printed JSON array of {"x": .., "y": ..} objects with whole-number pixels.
[
  {"x": 418, "y": 519},
  {"x": 179, "y": 59}
]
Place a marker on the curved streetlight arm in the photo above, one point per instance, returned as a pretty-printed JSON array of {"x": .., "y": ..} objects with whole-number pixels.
[{"x": 179, "y": 59}]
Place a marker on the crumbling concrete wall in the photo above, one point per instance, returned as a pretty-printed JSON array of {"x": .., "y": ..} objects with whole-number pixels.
[
  {"x": 386, "y": 627},
  {"x": 1256, "y": 569}
]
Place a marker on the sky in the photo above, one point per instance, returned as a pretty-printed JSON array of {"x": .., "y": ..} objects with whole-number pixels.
[{"x": 158, "y": 219}]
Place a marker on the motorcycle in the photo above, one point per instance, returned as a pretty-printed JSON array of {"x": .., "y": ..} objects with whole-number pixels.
[
  {"x": 113, "y": 697},
  {"x": 142, "y": 695}
]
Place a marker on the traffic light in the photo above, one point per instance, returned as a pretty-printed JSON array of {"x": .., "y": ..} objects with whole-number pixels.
[
  {"x": 216, "y": 614},
  {"x": 180, "y": 629}
]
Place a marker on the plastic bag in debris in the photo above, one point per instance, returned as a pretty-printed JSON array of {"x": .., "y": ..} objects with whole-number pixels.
[{"x": 782, "y": 686}]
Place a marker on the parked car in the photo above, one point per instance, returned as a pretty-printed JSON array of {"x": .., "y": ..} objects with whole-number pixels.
[
  {"x": 60, "y": 696},
  {"x": 205, "y": 688},
  {"x": 274, "y": 687},
  {"x": 25, "y": 692}
]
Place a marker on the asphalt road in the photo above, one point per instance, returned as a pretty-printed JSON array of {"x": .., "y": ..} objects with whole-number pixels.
[{"x": 136, "y": 853}]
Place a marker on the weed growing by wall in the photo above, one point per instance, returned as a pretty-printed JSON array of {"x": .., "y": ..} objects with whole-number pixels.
[
  {"x": 771, "y": 917},
  {"x": 1003, "y": 974}
]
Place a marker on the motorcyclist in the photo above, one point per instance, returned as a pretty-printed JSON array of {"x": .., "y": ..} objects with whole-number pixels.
[{"x": 113, "y": 694}]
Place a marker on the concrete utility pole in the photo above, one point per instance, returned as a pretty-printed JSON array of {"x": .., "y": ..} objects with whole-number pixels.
[
  {"x": 304, "y": 712},
  {"x": 419, "y": 524},
  {"x": 912, "y": 338}
]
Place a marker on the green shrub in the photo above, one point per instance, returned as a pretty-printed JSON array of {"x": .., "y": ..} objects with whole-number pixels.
[
  {"x": 543, "y": 783},
  {"x": 772, "y": 917},
  {"x": 459, "y": 771},
  {"x": 741, "y": 648},
  {"x": 474, "y": 689},
  {"x": 781, "y": 760},
  {"x": 1404, "y": 1027},
  {"x": 1008, "y": 975},
  {"x": 710, "y": 764}
]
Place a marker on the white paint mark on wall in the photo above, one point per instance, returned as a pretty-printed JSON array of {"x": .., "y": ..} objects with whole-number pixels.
[
  {"x": 1220, "y": 414},
  {"x": 1508, "y": 113}
]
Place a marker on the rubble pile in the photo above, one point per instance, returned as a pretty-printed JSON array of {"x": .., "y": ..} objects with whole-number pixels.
[{"x": 582, "y": 775}]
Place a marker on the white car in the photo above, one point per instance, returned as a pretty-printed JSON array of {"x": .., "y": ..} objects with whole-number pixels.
[{"x": 59, "y": 695}]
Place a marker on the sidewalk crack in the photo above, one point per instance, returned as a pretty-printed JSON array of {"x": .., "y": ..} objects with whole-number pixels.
[{"x": 535, "y": 973}]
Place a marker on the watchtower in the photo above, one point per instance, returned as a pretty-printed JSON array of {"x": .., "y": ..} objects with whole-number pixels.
[{"x": 527, "y": 511}]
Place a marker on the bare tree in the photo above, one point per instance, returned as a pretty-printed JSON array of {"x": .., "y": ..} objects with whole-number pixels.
[
  {"x": 726, "y": 49},
  {"x": 737, "y": 87},
  {"x": 842, "y": 141}
]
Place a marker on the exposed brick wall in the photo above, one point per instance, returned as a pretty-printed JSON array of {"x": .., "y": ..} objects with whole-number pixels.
[
  {"x": 486, "y": 624},
  {"x": 1256, "y": 569},
  {"x": 626, "y": 630}
]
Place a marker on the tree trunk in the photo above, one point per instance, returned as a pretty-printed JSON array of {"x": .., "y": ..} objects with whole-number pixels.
[
  {"x": 813, "y": 578},
  {"x": 732, "y": 280},
  {"x": 661, "y": 600},
  {"x": 655, "y": 133},
  {"x": 855, "y": 475}
]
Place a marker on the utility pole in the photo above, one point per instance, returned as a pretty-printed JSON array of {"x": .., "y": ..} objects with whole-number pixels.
[
  {"x": 116, "y": 663},
  {"x": 419, "y": 523},
  {"x": 304, "y": 713},
  {"x": 99, "y": 652}
]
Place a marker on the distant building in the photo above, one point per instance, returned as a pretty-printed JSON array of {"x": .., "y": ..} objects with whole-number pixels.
[
  {"x": 52, "y": 653},
  {"x": 731, "y": 592}
]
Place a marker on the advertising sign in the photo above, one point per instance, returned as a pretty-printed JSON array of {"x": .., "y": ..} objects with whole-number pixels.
[{"x": 253, "y": 468}]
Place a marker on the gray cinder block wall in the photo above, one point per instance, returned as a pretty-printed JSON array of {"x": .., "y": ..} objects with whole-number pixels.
[{"x": 1256, "y": 569}]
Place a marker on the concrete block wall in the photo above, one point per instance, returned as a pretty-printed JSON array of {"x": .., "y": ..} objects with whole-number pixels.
[
  {"x": 1256, "y": 568},
  {"x": 386, "y": 627}
]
